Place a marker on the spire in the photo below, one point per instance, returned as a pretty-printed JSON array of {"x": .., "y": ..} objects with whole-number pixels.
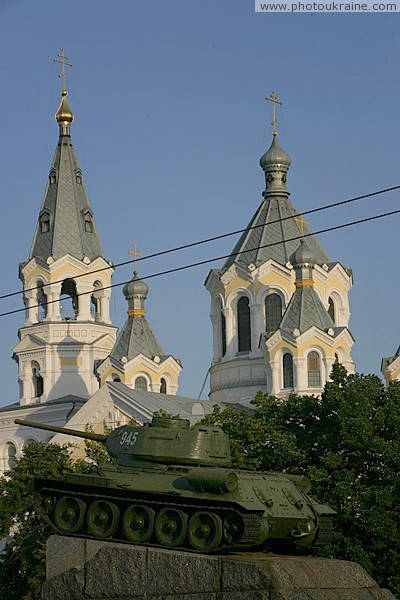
[
  {"x": 305, "y": 308},
  {"x": 274, "y": 222},
  {"x": 136, "y": 336},
  {"x": 66, "y": 224}
]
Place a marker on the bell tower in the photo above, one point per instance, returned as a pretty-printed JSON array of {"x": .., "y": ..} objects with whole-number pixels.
[{"x": 67, "y": 329}]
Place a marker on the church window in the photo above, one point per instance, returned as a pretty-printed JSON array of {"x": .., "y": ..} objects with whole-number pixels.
[
  {"x": 331, "y": 309},
  {"x": 223, "y": 333},
  {"x": 52, "y": 177},
  {"x": 9, "y": 456},
  {"x": 314, "y": 369},
  {"x": 163, "y": 386},
  {"x": 37, "y": 380},
  {"x": 273, "y": 312},
  {"x": 116, "y": 378},
  {"x": 45, "y": 223},
  {"x": 287, "y": 370},
  {"x": 244, "y": 328},
  {"x": 337, "y": 359},
  {"x": 141, "y": 384},
  {"x": 79, "y": 178},
  {"x": 88, "y": 223},
  {"x": 69, "y": 300}
]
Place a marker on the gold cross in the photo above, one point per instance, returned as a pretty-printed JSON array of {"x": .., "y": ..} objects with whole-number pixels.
[
  {"x": 274, "y": 99},
  {"x": 135, "y": 254},
  {"x": 302, "y": 222},
  {"x": 63, "y": 62}
]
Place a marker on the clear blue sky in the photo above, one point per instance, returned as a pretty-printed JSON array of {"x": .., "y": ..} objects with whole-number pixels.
[{"x": 170, "y": 122}]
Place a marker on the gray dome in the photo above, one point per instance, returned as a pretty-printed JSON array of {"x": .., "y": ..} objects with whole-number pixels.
[
  {"x": 302, "y": 256},
  {"x": 136, "y": 287},
  {"x": 275, "y": 156}
]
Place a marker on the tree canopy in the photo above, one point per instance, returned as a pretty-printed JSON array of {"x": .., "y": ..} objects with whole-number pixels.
[{"x": 348, "y": 443}]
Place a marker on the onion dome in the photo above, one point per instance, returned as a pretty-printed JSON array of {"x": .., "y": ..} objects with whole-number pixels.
[
  {"x": 135, "y": 288},
  {"x": 303, "y": 256},
  {"x": 275, "y": 156},
  {"x": 64, "y": 113}
]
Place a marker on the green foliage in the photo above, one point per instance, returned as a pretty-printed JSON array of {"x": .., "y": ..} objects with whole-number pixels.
[
  {"x": 22, "y": 569},
  {"x": 348, "y": 443}
]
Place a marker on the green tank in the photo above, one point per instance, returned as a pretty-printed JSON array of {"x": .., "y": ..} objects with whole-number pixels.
[{"x": 172, "y": 486}]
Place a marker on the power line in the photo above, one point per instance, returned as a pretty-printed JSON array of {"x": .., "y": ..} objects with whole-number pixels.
[
  {"x": 207, "y": 240},
  {"x": 204, "y": 262}
]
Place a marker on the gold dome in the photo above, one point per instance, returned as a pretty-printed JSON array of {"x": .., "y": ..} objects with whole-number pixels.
[{"x": 64, "y": 113}]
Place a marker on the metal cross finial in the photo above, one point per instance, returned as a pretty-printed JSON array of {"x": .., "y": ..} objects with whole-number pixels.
[
  {"x": 274, "y": 99},
  {"x": 302, "y": 222},
  {"x": 63, "y": 62},
  {"x": 135, "y": 254}
]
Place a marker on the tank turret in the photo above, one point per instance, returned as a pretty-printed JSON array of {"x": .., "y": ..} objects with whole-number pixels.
[{"x": 172, "y": 486}]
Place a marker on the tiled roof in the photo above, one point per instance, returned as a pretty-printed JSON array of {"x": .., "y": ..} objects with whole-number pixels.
[
  {"x": 136, "y": 337},
  {"x": 270, "y": 232},
  {"x": 66, "y": 203},
  {"x": 306, "y": 310}
]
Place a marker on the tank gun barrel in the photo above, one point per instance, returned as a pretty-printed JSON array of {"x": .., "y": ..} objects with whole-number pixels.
[{"x": 88, "y": 435}]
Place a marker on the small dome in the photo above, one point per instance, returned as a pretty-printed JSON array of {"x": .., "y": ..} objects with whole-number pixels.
[
  {"x": 302, "y": 256},
  {"x": 64, "y": 113},
  {"x": 136, "y": 287},
  {"x": 275, "y": 156}
]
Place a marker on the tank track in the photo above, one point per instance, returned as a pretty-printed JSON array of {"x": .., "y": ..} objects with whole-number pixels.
[{"x": 251, "y": 524}]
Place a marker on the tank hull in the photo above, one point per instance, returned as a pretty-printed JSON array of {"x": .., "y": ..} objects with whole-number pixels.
[{"x": 175, "y": 506}]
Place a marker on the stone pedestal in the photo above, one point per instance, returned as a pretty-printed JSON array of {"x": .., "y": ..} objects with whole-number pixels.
[{"x": 79, "y": 569}]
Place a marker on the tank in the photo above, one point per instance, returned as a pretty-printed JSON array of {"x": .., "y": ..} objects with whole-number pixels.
[{"x": 173, "y": 486}]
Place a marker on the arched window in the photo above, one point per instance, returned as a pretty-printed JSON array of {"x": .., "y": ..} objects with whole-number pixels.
[
  {"x": 69, "y": 304},
  {"x": 273, "y": 312},
  {"x": 331, "y": 309},
  {"x": 223, "y": 333},
  {"x": 141, "y": 384},
  {"x": 116, "y": 378},
  {"x": 163, "y": 386},
  {"x": 244, "y": 330},
  {"x": 37, "y": 380},
  {"x": 42, "y": 301},
  {"x": 287, "y": 362},
  {"x": 88, "y": 223},
  {"x": 9, "y": 456},
  {"x": 337, "y": 359},
  {"x": 314, "y": 369}
]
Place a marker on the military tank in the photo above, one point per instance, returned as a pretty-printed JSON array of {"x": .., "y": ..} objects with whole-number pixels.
[{"x": 172, "y": 486}]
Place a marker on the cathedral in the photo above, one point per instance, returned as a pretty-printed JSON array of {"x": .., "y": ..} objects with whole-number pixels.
[
  {"x": 279, "y": 313},
  {"x": 279, "y": 304},
  {"x": 73, "y": 368}
]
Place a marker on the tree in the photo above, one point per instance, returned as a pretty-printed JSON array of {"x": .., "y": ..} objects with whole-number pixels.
[
  {"x": 23, "y": 561},
  {"x": 348, "y": 443}
]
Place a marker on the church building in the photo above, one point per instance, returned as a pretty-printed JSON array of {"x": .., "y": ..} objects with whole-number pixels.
[
  {"x": 279, "y": 305},
  {"x": 73, "y": 370}
]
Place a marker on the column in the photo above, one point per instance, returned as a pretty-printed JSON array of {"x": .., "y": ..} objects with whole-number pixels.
[
  {"x": 300, "y": 374},
  {"x": 53, "y": 293},
  {"x": 104, "y": 302},
  {"x": 32, "y": 311},
  {"x": 230, "y": 334},
  {"x": 276, "y": 382},
  {"x": 217, "y": 345},
  {"x": 328, "y": 362},
  {"x": 84, "y": 313},
  {"x": 256, "y": 323}
]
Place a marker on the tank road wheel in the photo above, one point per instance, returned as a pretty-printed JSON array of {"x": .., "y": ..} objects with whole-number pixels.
[
  {"x": 170, "y": 526},
  {"x": 138, "y": 523},
  {"x": 205, "y": 531},
  {"x": 69, "y": 514},
  {"x": 102, "y": 518},
  {"x": 43, "y": 503},
  {"x": 233, "y": 528}
]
